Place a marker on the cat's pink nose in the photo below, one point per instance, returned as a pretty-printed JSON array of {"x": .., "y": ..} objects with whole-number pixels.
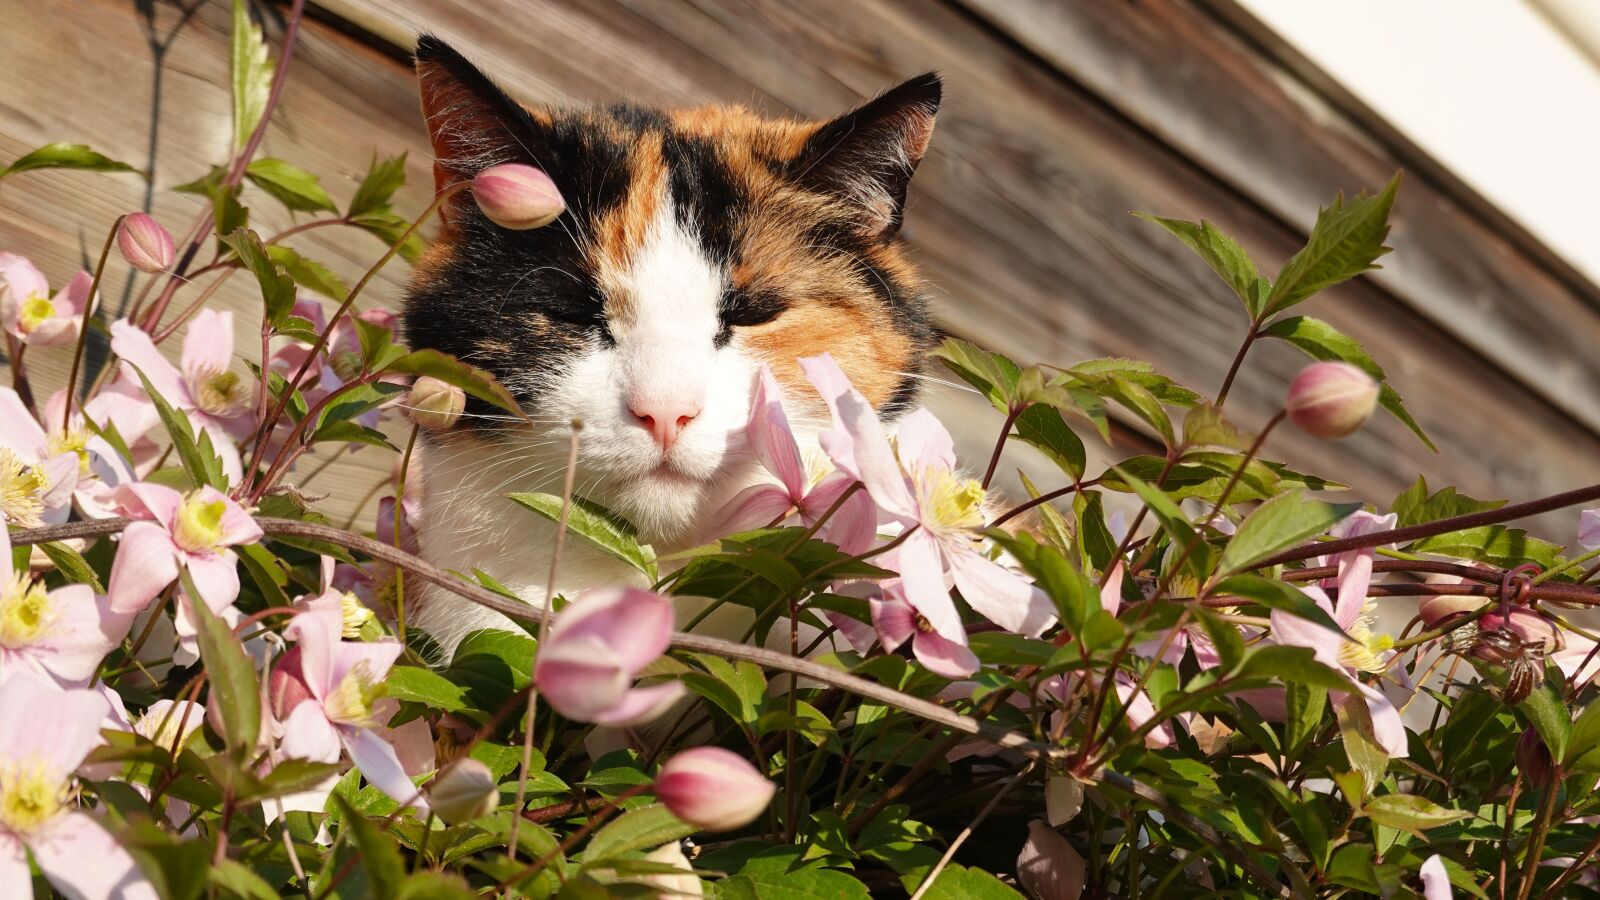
[{"x": 664, "y": 419}]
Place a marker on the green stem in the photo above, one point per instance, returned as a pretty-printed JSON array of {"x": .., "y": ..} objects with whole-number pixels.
[{"x": 83, "y": 329}]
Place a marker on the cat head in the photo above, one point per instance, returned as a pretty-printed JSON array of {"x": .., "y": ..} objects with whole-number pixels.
[{"x": 697, "y": 244}]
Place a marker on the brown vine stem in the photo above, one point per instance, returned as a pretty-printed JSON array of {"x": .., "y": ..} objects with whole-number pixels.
[
  {"x": 1443, "y": 526},
  {"x": 515, "y": 609},
  {"x": 83, "y": 328}
]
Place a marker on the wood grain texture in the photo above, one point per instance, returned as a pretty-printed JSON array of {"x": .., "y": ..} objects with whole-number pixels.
[{"x": 1019, "y": 214}]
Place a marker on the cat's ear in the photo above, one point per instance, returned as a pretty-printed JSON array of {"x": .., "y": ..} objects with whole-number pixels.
[
  {"x": 472, "y": 123},
  {"x": 869, "y": 154}
]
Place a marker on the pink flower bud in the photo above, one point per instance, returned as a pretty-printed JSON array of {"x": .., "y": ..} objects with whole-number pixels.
[
  {"x": 1533, "y": 758},
  {"x": 1331, "y": 399},
  {"x": 1529, "y": 626},
  {"x": 597, "y": 647},
  {"x": 465, "y": 790},
  {"x": 145, "y": 244},
  {"x": 286, "y": 687},
  {"x": 435, "y": 405},
  {"x": 1435, "y": 610},
  {"x": 713, "y": 789},
  {"x": 518, "y": 197}
]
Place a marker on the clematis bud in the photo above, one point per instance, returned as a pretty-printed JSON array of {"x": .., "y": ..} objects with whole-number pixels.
[
  {"x": 465, "y": 790},
  {"x": 435, "y": 405},
  {"x": 1533, "y": 629},
  {"x": 1435, "y": 610},
  {"x": 517, "y": 197},
  {"x": 1331, "y": 399},
  {"x": 713, "y": 789},
  {"x": 1533, "y": 758},
  {"x": 286, "y": 686},
  {"x": 1049, "y": 867},
  {"x": 597, "y": 647},
  {"x": 145, "y": 244}
]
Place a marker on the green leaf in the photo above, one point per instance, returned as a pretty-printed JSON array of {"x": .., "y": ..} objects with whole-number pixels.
[
  {"x": 238, "y": 880},
  {"x": 252, "y": 74},
  {"x": 391, "y": 229},
  {"x": 1410, "y": 813},
  {"x": 1303, "y": 716},
  {"x": 65, "y": 156},
  {"x": 1223, "y": 255},
  {"x": 1584, "y": 734},
  {"x": 234, "y": 688},
  {"x": 72, "y": 565},
  {"x": 598, "y": 526},
  {"x": 738, "y": 688},
  {"x": 1548, "y": 715},
  {"x": 802, "y": 884},
  {"x": 1497, "y": 545},
  {"x": 650, "y": 826},
  {"x": 1278, "y": 524},
  {"x": 309, "y": 274},
  {"x": 474, "y": 381},
  {"x": 355, "y": 400},
  {"x": 290, "y": 185},
  {"x": 492, "y": 665},
  {"x": 995, "y": 376},
  {"x": 1291, "y": 665},
  {"x": 1175, "y": 523},
  {"x": 351, "y": 433},
  {"x": 1044, "y": 428},
  {"x": 1415, "y": 505},
  {"x": 383, "y": 178},
  {"x": 425, "y": 686},
  {"x": 1075, "y": 597},
  {"x": 1274, "y": 594},
  {"x": 277, "y": 287},
  {"x": 1205, "y": 426},
  {"x": 380, "y": 855},
  {"x": 957, "y": 882},
  {"x": 1344, "y": 242},
  {"x": 1389, "y": 399},
  {"x": 202, "y": 468},
  {"x": 176, "y": 867}
]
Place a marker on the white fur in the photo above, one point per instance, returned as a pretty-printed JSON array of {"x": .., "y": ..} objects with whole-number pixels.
[{"x": 664, "y": 326}]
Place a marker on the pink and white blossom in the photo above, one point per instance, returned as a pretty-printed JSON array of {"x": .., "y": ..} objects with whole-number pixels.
[
  {"x": 203, "y": 387},
  {"x": 915, "y": 482},
  {"x": 595, "y": 650},
  {"x": 175, "y": 532},
  {"x": 61, "y": 634},
  {"x": 1435, "y": 879},
  {"x": 323, "y": 694},
  {"x": 798, "y": 490},
  {"x": 36, "y": 479},
  {"x": 37, "y": 762},
  {"x": 30, "y": 314},
  {"x": 713, "y": 789}
]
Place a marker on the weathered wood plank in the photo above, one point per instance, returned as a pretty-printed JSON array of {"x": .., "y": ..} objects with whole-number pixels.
[
  {"x": 85, "y": 72},
  {"x": 1021, "y": 210},
  {"x": 1189, "y": 80}
]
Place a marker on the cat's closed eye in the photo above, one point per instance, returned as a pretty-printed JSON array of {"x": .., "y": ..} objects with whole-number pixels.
[{"x": 745, "y": 308}]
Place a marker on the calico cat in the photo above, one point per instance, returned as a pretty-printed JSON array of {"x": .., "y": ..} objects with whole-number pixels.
[{"x": 697, "y": 244}]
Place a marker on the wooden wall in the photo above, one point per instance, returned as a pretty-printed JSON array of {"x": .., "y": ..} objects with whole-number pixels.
[{"x": 1061, "y": 117}]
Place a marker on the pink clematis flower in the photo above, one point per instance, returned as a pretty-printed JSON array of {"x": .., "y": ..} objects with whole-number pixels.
[
  {"x": 323, "y": 694},
  {"x": 1589, "y": 529},
  {"x": 62, "y": 634},
  {"x": 1435, "y": 879},
  {"x": 75, "y": 852},
  {"x": 1346, "y": 651},
  {"x": 851, "y": 528},
  {"x": 214, "y": 398},
  {"x": 28, "y": 312},
  {"x": 178, "y": 531},
  {"x": 897, "y": 621},
  {"x": 596, "y": 648},
  {"x": 919, "y": 487},
  {"x": 36, "y": 479}
]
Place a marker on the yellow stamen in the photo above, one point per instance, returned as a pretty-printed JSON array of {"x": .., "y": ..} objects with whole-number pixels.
[
  {"x": 199, "y": 524},
  {"x": 355, "y": 615},
  {"x": 73, "y": 441},
  {"x": 351, "y": 702},
  {"x": 35, "y": 311},
  {"x": 949, "y": 502},
  {"x": 26, "y": 612},
  {"x": 1365, "y": 649},
  {"x": 21, "y": 491},
  {"x": 221, "y": 393},
  {"x": 30, "y": 794}
]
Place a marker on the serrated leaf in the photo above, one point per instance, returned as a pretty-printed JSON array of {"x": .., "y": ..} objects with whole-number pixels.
[
  {"x": 383, "y": 178},
  {"x": 65, "y": 156},
  {"x": 251, "y": 74},
  {"x": 290, "y": 185},
  {"x": 309, "y": 274},
  {"x": 201, "y": 468},
  {"x": 72, "y": 565},
  {"x": 994, "y": 375},
  {"x": 1344, "y": 242},
  {"x": 1206, "y": 426},
  {"x": 1415, "y": 505},
  {"x": 1291, "y": 665},
  {"x": 1044, "y": 428},
  {"x": 1224, "y": 255},
  {"x": 597, "y": 525},
  {"x": 1282, "y": 522},
  {"x": 1497, "y": 545},
  {"x": 277, "y": 287},
  {"x": 391, "y": 229},
  {"x": 1174, "y": 523}
]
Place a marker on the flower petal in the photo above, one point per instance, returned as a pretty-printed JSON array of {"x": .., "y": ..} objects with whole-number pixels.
[
  {"x": 1435, "y": 879},
  {"x": 924, "y": 442},
  {"x": 18, "y": 430},
  {"x": 146, "y": 562},
  {"x": 155, "y": 502},
  {"x": 642, "y": 704},
  {"x": 378, "y": 763},
  {"x": 858, "y": 444},
  {"x": 317, "y": 633},
  {"x": 922, "y": 579},
  {"x": 84, "y": 630},
  {"x": 581, "y": 678},
  {"x": 999, "y": 594},
  {"x": 208, "y": 344},
  {"x": 943, "y": 656},
  {"x": 85, "y": 862},
  {"x": 15, "y": 878},
  {"x": 62, "y": 726},
  {"x": 635, "y": 624},
  {"x": 216, "y": 577},
  {"x": 757, "y": 506},
  {"x": 1387, "y": 726},
  {"x": 894, "y": 620},
  {"x": 137, "y": 350},
  {"x": 307, "y": 734},
  {"x": 1048, "y": 866},
  {"x": 771, "y": 437},
  {"x": 1589, "y": 529}
]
